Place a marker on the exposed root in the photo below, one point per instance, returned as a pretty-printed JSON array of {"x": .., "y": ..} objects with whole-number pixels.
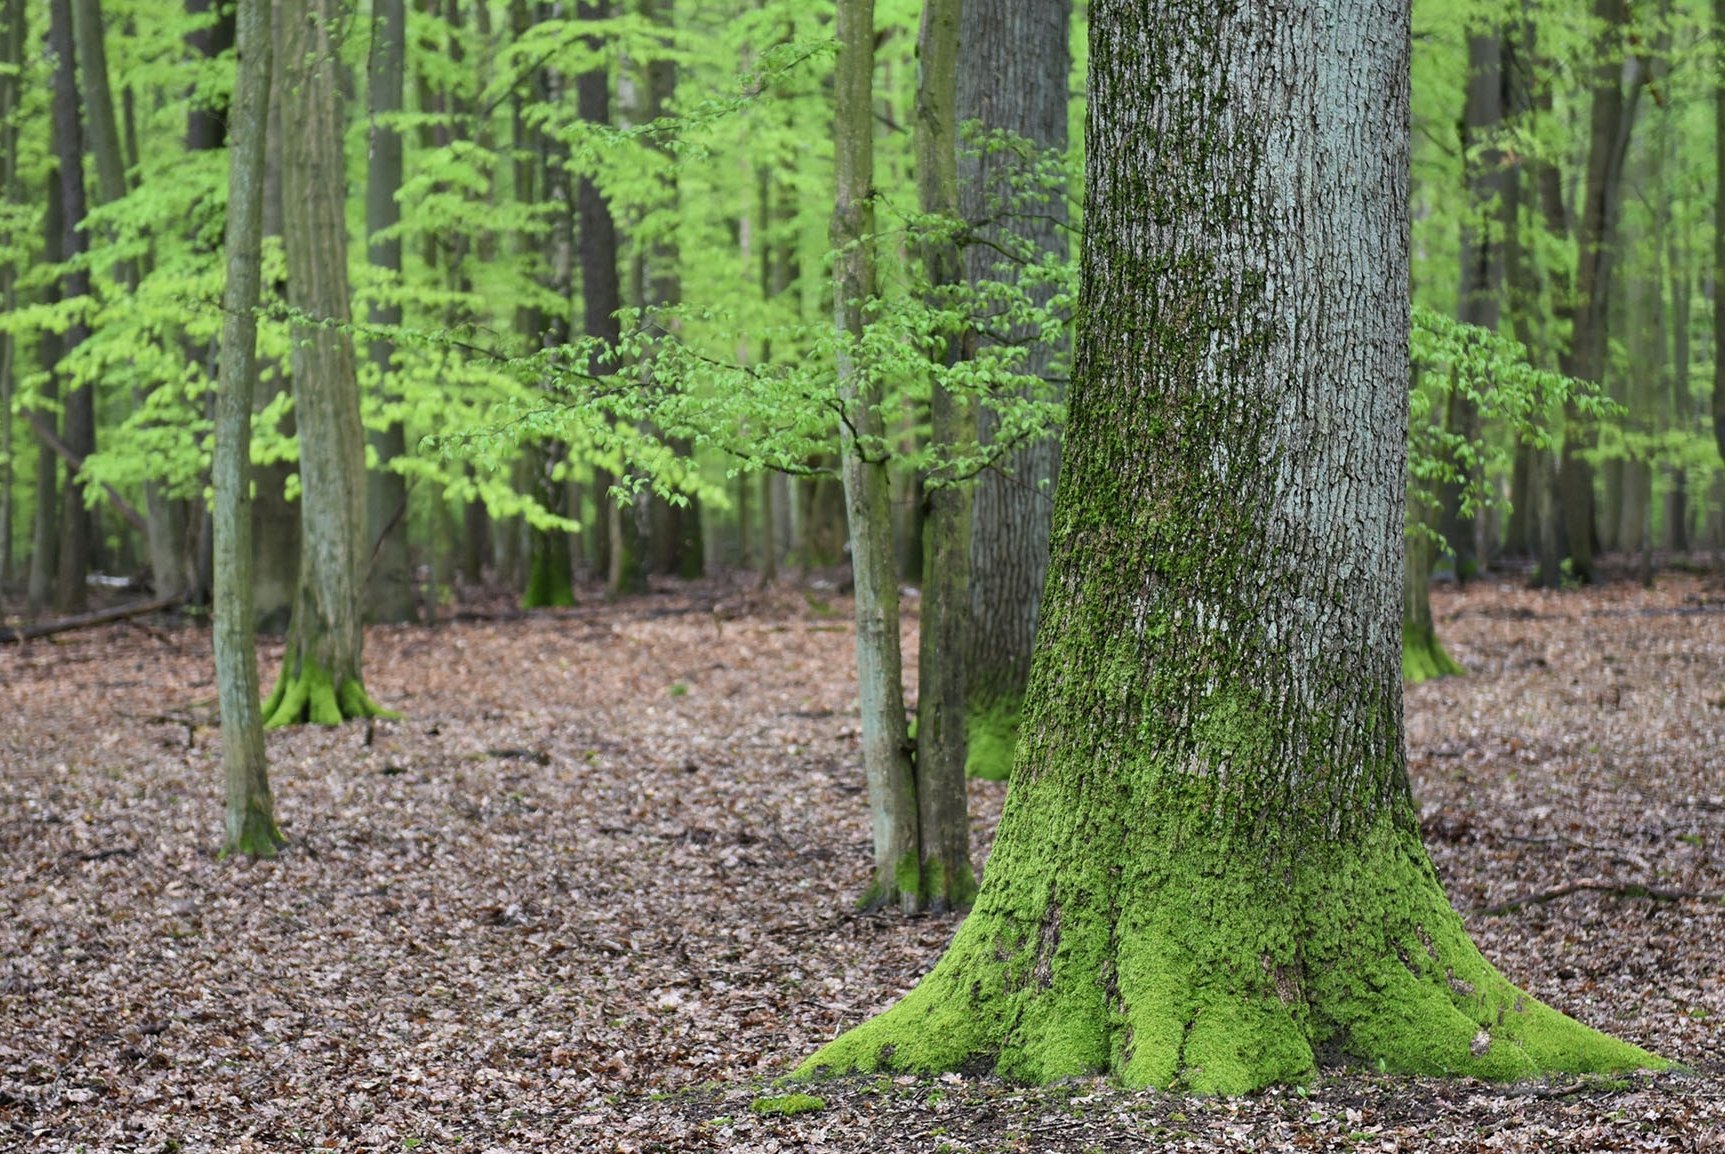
[{"x": 312, "y": 696}]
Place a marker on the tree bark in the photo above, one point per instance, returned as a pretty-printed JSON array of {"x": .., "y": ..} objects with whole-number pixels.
[
  {"x": 862, "y": 448},
  {"x": 12, "y": 34},
  {"x": 389, "y": 586},
  {"x": 45, "y": 526},
  {"x": 321, "y": 670},
  {"x": 1718, "y": 404},
  {"x": 1208, "y": 874},
  {"x": 1013, "y": 77},
  {"x": 251, "y": 825},
  {"x": 78, "y": 428},
  {"x": 943, "y": 818}
]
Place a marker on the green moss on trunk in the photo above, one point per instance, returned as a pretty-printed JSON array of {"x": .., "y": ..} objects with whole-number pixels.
[
  {"x": 550, "y": 584},
  {"x": 312, "y": 695},
  {"x": 993, "y": 736},
  {"x": 1205, "y": 974},
  {"x": 1424, "y": 658}
]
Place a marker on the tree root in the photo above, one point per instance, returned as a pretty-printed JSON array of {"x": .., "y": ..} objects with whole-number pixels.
[{"x": 313, "y": 696}]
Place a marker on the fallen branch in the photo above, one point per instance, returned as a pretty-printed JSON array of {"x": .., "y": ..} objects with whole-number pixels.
[
  {"x": 74, "y": 463},
  {"x": 97, "y": 617},
  {"x": 1615, "y": 889}
]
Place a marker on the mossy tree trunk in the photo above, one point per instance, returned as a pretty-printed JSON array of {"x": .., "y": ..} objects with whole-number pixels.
[
  {"x": 389, "y": 585},
  {"x": 1209, "y": 872},
  {"x": 1013, "y": 76},
  {"x": 321, "y": 680},
  {"x": 863, "y": 465},
  {"x": 943, "y": 818},
  {"x": 251, "y": 826}
]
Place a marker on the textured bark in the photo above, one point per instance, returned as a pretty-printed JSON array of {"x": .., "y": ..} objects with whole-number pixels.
[
  {"x": 250, "y": 824},
  {"x": 943, "y": 820},
  {"x": 321, "y": 669},
  {"x": 1013, "y": 77},
  {"x": 862, "y": 438},
  {"x": 78, "y": 427},
  {"x": 389, "y": 582},
  {"x": 1208, "y": 873}
]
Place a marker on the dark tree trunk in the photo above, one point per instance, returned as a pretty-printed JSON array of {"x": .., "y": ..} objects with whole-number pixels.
[{"x": 78, "y": 428}]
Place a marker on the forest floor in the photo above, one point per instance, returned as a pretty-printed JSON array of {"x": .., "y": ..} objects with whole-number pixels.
[{"x": 594, "y": 893}]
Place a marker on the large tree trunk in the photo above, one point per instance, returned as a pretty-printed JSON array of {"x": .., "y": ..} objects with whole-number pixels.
[
  {"x": 321, "y": 670},
  {"x": 78, "y": 428},
  {"x": 943, "y": 825},
  {"x": 1013, "y": 77},
  {"x": 389, "y": 587},
  {"x": 1209, "y": 872},
  {"x": 862, "y": 447},
  {"x": 251, "y": 826}
]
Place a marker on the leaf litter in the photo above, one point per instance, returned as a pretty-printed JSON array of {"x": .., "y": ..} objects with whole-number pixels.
[{"x": 594, "y": 893}]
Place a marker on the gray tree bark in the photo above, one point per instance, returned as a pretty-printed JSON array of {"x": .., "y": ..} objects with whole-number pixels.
[
  {"x": 862, "y": 440},
  {"x": 251, "y": 826},
  {"x": 1013, "y": 77},
  {"x": 11, "y": 192}
]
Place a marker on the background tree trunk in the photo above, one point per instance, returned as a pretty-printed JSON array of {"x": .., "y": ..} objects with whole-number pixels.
[
  {"x": 389, "y": 587},
  {"x": 1013, "y": 77},
  {"x": 943, "y": 829},
  {"x": 78, "y": 428},
  {"x": 862, "y": 440},
  {"x": 1208, "y": 871},
  {"x": 251, "y": 826},
  {"x": 321, "y": 670},
  {"x": 11, "y": 192}
]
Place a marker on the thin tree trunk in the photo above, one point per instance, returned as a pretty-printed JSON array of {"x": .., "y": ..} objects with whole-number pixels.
[
  {"x": 389, "y": 587},
  {"x": 943, "y": 832},
  {"x": 1013, "y": 77},
  {"x": 251, "y": 826},
  {"x": 11, "y": 193},
  {"x": 1718, "y": 405},
  {"x": 862, "y": 447},
  {"x": 78, "y": 429},
  {"x": 45, "y": 527},
  {"x": 321, "y": 678}
]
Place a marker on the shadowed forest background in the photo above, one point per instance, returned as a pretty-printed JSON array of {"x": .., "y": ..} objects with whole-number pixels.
[{"x": 639, "y": 483}]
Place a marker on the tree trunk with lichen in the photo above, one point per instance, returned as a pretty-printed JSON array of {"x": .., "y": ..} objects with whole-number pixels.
[
  {"x": 320, "y": 679},
  {"x": 250, "y": 823},
  {"x": 1209, "y": 872},
  {"x": 1013, "y": 76}
]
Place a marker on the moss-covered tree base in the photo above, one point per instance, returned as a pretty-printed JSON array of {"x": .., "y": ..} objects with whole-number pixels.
[
  {"x": 550, "y": 582},
  {"x": 313, "y": 696},
  {"x": 992, "y": 734},
  {"x": 1424, "y": 658},
  {"x": 1172, "y": 965},
  {"x": 256, "y": 836}
]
